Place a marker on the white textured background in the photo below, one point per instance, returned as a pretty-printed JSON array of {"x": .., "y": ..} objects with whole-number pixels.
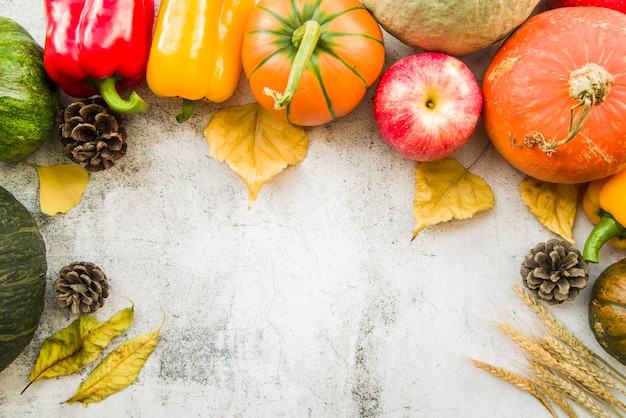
[{"x": 315, "y": 302}]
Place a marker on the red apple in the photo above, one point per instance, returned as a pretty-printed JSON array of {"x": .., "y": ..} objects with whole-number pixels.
[
  {"x": 427, "y": 105},
  {"x": 619, "y": 5}
]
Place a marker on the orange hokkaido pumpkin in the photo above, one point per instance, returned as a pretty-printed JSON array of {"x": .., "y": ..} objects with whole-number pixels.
[
  {"x": 555, "y": 95},
  {"x": 311, "y": 61}
]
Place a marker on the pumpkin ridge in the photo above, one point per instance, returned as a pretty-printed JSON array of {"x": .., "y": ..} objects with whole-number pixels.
[
  {"x": 320, "y": 80},
  {"x": 25, "y": 333},
  {"x": 329, "y": 34},
  {"x": 16, "y": 282},
  {"x": 615, "y": 305},
  {"x": 318, "y": 76},
  {"x": 278, "y": 52},
  {"x": 292, "y": 25},
  {"x": 309, "y": 11},
  {"x": 332, "y": 53},
  {"x": 324, "y": 20},
  {"x": 22, "y": 230}
]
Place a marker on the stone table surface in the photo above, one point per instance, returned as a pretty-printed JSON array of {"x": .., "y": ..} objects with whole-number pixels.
[{"x": 314, "y": 302}]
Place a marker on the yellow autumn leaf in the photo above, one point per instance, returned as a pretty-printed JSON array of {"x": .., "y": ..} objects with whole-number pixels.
[
  {"x": 445, "y": 190},
  {"x": 61, "y": 187},
  {"x": 118, "y": 369},
  {"x": 554, "y": 205},
  {"x": 256, "y": 145},
  {"x": 78, "y": 344}
]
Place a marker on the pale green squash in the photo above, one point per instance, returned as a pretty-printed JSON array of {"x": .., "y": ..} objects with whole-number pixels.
[{"x": 455, "y": 27}]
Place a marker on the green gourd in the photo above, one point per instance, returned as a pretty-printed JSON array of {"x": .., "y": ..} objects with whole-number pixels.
[
  {"x": 455, "y": 27},
  {"x": 22, "y": 277},
  {"x": 29, "y": 100},
  {"x": 607, "y": 310}
]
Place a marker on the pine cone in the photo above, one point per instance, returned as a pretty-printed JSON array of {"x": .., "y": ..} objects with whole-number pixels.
[
  {"x": 81, "y": 287},
  {"x": 91, "y": 134},
  {"x": 555, "y": 271}
]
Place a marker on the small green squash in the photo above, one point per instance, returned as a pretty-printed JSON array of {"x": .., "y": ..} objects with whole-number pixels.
[
  {"x": 607, "y": 310},
  {"x": 22, "y": 277},
  {"x": 29, "y": 100}
]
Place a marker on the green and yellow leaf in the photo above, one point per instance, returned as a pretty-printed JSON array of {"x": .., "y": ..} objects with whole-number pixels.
[
  {"x": 118, "y": 369},
  {"x": 554, "y": 205},
  {"x": 78, "y": 344},
  {"x": 445, "y": 190},
  {"x": 61, "y": 187},
  {"x": 255, "y": 144}
]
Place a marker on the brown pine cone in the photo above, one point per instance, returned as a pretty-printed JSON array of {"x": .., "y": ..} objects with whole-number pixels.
[
  {"x": 91, "y": 134},
  {"x": 81, "y": 287},
  {"x": 555, "y": 271}
]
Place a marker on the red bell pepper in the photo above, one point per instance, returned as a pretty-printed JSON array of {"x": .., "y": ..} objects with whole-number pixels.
[{"x": 99, "y": 47}]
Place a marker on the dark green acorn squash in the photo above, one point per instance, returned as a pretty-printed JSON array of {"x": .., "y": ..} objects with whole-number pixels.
[
  {"x": 607, "y": 310},
  {"x": 22, "y": 277},
  {"x": 29, "y": 100}
]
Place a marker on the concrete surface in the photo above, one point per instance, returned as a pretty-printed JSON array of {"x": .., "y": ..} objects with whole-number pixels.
[{"x": 315, "y": 302}]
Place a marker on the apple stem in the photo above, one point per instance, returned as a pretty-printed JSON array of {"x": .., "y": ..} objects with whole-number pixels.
[{"x": 305, "y": 39}]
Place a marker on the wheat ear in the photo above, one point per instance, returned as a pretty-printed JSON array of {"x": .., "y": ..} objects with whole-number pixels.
[
  {"x": 568, "y": 389},
  {"x": 557, "y": 399},
  {"x": 563, "y": 353},
  {"x": 554, "y": 325},
  {"x": 564, "y": 334},
  {"x": 519, "y": 381},
  {"x": 539, "y": 355}
]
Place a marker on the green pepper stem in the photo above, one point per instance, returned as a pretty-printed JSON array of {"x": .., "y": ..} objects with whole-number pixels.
[
  {"x": 106, "y": 87},
  {"x": 188, "y": 106},
  {"x": 305, "y": 39},
  {"x": 604, "y": 230}
]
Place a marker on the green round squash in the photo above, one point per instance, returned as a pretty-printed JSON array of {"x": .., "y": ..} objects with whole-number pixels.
[
  {"x": 455, "y": 27},
  {"x": 22, "y": 277},
  {"x": 607, "y": 310},
  {"x": 29, "y": 100}
]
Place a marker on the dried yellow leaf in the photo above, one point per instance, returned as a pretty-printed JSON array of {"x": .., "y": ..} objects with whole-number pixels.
[
  {"x": 118, "y": 369},
  {"x": 554, "y": 205},
  {"x": 256, "y": 145},
  {"x": 78, "y": 344},
  {"x": 61, "y": 187},
  {"x": 445, "y": 190}
]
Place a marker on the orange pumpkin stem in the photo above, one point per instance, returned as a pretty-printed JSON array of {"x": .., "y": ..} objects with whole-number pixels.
[
  {"x": 590, "y": 85},
  {"x": 305, "y": 39}
]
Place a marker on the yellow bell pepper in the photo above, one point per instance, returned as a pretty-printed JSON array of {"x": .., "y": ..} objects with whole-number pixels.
[
  {"x": 196, "y": 50},
  {"x": 604, "y": 203}
]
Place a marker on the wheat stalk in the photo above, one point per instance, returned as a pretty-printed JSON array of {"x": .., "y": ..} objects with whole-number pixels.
[
  {"x": 554, "y": 325},
  {"x": 561, "y": 332},
  {"x": 557, "y": 399},
  {"x": 568, "y": 389},
  {"x": 530, "y": 347},
  {"x": 587, "y": 383},
  {"x": 562, "y": 364},
  {"x": 519, "y": 381},
  {"x": 559, "y": 350},
  {"x": 542, "y": 356}
]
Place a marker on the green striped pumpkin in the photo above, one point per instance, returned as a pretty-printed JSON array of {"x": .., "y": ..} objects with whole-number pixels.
[
  {"x": 311, "y": 61},
  {"x": 607, "y": 310},
  {"x": 22, "y": 277},
  {"x": 28, "y": 98}
]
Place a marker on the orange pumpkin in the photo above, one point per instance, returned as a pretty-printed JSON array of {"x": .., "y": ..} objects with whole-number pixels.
[
  {"x": 310, "y": 62},
  {"x": 555, "y": 95}
]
